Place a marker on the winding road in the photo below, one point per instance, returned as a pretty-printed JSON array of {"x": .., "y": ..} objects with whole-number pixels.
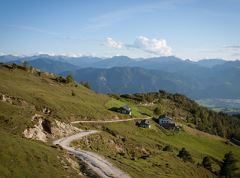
[{"x": 94, "y": 161}]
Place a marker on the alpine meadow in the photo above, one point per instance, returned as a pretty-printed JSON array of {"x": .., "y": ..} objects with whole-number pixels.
[{"x": 119, "y": 89}]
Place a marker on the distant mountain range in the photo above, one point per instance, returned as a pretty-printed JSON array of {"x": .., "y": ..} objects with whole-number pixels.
[
  {"x": 47, "y": 64},
  {"x": 170, "y": 63},
  {"x": 208, "y": 78}
]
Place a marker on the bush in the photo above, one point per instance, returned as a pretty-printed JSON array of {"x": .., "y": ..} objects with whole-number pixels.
[
  {"x": 85, "y": 84},
  {"x": 22, "y": 68},
  {"x": 73, "y": 94},
  {"x": 14, "y": 66},
  {"x": 157, "y": 111},
  {"x": 185, "y": 155},
  {"x": 207, "y": 163},
  {"x": 60, "y": 79},
  {"x": 110, "y": 131},
  {"x": 168, "y": 148},
  {"x": 69, "y": 79}
]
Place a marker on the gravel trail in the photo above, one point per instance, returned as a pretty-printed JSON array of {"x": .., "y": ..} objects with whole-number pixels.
[{"x": 95, "y": 162}]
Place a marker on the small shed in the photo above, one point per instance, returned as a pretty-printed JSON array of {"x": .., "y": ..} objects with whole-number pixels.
[
  {"x": 144, "y": 123},
  {"x": 125, "y": 110},
  {"x": 167, "y": 122}
]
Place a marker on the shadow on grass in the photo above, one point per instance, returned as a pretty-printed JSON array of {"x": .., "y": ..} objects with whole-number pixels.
[
  {"x": 155, "y": 119},
  {"x": 114, "y": 109}
]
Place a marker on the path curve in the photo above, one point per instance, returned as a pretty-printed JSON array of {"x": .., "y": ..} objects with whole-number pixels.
[{"x": 95, "y": 162}]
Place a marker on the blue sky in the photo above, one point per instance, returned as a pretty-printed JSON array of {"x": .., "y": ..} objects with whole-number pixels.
[{"x": 192, "y": 29}]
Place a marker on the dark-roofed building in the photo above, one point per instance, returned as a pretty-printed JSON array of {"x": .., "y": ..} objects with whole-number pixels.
[
  {"x": 167, "y": 122},
  {"x": 144, "y": 123},
  {"x": 125, "y": 110}
]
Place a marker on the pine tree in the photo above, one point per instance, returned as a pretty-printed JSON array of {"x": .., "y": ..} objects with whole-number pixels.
[{"x": 228, "y": 167}]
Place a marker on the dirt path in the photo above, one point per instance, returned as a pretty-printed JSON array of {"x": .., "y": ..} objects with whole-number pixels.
[
  {"x": 109, "y": 121},
  {"x": 95, "y": 162}
]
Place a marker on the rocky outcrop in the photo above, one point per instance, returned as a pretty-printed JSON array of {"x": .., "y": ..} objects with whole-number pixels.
[
  {"x": 36, "y": 133},
  {"x": 5, "y": 98},
  {"x": 62, "y": 129},
  {"x": 13, "y": 100},
  {"x": 45, "y": 129}
]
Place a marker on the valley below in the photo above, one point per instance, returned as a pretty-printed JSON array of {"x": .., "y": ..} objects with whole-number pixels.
[{"x": 229, "y": 106}]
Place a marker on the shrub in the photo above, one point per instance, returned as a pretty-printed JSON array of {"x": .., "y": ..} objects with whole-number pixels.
[
  {"x": 22, "y": 68},
  {"x": 14, "y": 66},
  {"x": 185, "y": 155},
  {"x": 168, "y": 148},
  {"x": 207, "y": 163},
  {"x": 73, "y": 94},
  {"x": 60, "y": 79},
  {"x": 110, "y": 131},
  {"x": 157, "y": 111},
  {"x": 85, "y": 84},
  {"x": 69, "y": 79}
]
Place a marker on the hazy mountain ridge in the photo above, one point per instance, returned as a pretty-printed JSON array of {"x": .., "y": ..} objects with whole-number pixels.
[
  {"x": 209, "y": 78},
  {"x": 116, "y": 61}
]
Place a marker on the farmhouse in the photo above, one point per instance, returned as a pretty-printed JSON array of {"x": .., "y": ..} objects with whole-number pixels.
[
  {"x": 167, "y": 122},
  {"x": 125, "y": 110},
  {"x": 144, "y": 123}
]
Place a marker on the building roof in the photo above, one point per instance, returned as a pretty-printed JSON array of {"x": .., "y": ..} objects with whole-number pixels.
[
  {"x": 147, "y": 122},
  {"x": 126, "y": 108},
  {"x": 165, "y": 117}
]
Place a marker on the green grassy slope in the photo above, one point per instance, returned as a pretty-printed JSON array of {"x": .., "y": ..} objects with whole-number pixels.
[
  {"x": 24, "y": 158},
  {"x": 30, "y": 93},
  {"x": 125, "y": 145},
  {"x": 184, "y": 110},
  {"x": 135, "y": 150},
  {"x": 43, "y": 91}
]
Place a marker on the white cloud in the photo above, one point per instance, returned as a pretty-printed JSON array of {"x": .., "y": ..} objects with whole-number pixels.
[
  {"x": 233, "y": 50},
  {"x": 232, "y": 47},
  {"x": 109, "y": 42},
  {"x": 154, "y": 46}
]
